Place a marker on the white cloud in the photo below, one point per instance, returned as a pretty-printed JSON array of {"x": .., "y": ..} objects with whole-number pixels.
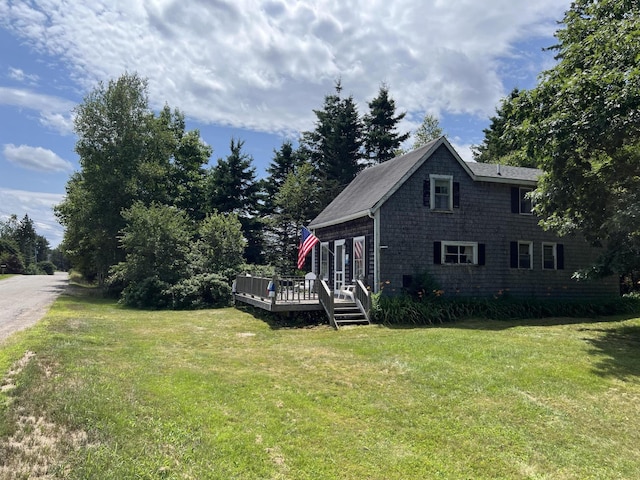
[
  {"x": 36, "y": 158},
  {"x": 39, "y": 207},
  {"x": 20, "y": 76},
  {"x": 55, "y": 112},
  {"x": 266, "y": 65}
]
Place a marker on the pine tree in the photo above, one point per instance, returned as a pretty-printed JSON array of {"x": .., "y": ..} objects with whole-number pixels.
[
  {"x": 334, "y": 146},
  {"x": 284, "y": 162},
  {"x": 233, "y": 189},
  {"x": 381, "y": 140}
]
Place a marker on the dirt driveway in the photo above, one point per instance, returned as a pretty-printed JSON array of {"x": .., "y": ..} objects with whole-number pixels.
[{"x": 24, "y": 299}]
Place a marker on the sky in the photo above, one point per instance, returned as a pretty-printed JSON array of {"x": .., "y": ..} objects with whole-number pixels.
[{"x": 252, "y": 70}]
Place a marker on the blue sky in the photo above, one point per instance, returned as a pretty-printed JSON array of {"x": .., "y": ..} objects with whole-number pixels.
[{"x": 253, "y": 70}]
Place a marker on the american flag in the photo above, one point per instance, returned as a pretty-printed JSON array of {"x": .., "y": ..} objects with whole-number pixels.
[
  {"x": 307, "y": 241},
  {"x": 357, "y": 250}
]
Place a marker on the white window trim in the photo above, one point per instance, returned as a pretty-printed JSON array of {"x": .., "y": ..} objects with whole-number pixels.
[
  {"x": 443, "y": 252},
  {"x": 530, "y": 244},
  {"x": 520, "y": 197},
  {"x": 432, "y": 193},
  {"x": 555, "y": 255},
  {"x": 364, "y": 255}
]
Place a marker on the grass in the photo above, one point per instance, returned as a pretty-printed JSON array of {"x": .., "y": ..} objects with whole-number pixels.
[{"x": 113, "y": 393}]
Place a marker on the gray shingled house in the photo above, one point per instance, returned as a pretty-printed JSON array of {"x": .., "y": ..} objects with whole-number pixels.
[{"x": 469, "y": 225}]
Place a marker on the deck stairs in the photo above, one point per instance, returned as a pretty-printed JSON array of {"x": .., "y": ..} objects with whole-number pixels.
[{"x": 348, "y": 313}]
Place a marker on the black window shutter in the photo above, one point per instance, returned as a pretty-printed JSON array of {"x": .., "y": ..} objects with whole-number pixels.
[
  {"x": 560, "y": 256},
  {"x": 514, "y": 254},
  {"x": 515, "y": 200},
  {"x": 426, "y": 193},
  {"x": 481, "y": 254},
  {"x": 437, "y": 253},
  {"x": 456, "y": 194}
]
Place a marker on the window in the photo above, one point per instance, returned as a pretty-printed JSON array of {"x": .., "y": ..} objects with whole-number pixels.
[
  {"x": 549, "y": 256},
  {"x": 441, "y": 193},
  {"x": 458, "y": 253},
  {"x": 552, "y": 256},
  {"x": 522, "y": 255},
  {"x": 358, "y": 258},
  {"x": 520, "y": 201},
  {"x": 324, "y": 261}
]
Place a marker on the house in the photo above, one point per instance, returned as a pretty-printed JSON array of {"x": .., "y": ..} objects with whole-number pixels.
[{"x": 468, "y": 225}]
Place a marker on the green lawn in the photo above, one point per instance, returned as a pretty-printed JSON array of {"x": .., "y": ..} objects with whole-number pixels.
[{"x": 112, "y": 393}]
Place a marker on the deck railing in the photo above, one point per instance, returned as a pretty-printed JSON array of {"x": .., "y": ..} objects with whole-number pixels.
[
  {"x": 285, "y": 289},
  {"x": 296, "y": 289},
  {"x": 252, "y": 286}
]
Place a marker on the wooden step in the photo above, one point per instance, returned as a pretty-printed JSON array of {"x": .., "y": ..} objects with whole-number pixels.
[{"x": 348, "y": 314}]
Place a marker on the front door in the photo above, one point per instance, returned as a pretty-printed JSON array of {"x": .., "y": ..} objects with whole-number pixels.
[{"x": 339, "y": 257}]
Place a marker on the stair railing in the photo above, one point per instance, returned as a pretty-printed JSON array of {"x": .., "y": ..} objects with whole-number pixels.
[
  {"x": 363, "y": 299},
  {"x": 326, "y": 300}
]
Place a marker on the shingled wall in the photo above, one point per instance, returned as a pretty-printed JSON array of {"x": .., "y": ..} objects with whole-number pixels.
[{"x": 409, "y": 230}]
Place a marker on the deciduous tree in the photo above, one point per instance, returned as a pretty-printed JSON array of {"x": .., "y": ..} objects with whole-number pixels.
[
  {"x": 428, "y": 130},
  {"x": 583, "y": 129}
]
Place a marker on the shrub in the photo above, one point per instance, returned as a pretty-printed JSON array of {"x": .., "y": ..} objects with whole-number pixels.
[
  {"x": 422, "y": 286},
  {"x": 32, "y": 269},
  {"x": 13, "y": 262},
  {"x": 200, "y": 291},
  {"x": 404, "y": 310},
  {"x": 148, "y": 293},
  {"x": 47, "y": 267}
]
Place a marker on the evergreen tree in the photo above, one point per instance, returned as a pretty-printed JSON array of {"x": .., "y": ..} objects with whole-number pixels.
[
  {"x": 297, "y": 205},
  {"x": 334, "y": 146},
  {"x": 26, "y": 238},
  {"x": 381, "y": 140},
  {"x": 233, "y": 189},
  {"x": 284, "y": 162}
]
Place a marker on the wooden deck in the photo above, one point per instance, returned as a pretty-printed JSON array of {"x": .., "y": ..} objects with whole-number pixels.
[
  {"x": 276, "y": 305},
  {"x": 300, "y": 295},
  {"x": 286, "y": 295}
]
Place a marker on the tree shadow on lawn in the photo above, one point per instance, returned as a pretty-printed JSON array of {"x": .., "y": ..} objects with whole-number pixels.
[
  {"x": 499, "y": 325},
  {"x": 618, "y": 350}
]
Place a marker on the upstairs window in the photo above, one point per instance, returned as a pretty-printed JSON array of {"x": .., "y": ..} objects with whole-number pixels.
[
  {"x": 441, "y": 193},
  {"x": 520, "y": 201}
]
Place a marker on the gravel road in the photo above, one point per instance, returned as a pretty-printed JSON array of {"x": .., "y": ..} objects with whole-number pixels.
[{"x": 24, "y": 299}]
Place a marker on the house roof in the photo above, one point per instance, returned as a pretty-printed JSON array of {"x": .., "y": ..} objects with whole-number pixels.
[
  {"x": 374, "y": 185},
  {"x": 493, "y": 172}
]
